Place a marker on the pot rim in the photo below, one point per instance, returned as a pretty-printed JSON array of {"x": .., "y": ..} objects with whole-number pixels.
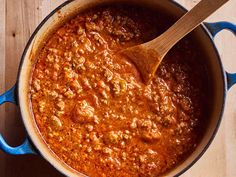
[{"x": 203, "y": 27}]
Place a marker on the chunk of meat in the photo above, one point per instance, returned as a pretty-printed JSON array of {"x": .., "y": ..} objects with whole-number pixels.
[
  {"x": 151, "y": 136},
  {"x": 83, "y": 112}
]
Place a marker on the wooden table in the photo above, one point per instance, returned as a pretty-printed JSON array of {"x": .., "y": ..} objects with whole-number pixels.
[{"x": 18, "y": 19}]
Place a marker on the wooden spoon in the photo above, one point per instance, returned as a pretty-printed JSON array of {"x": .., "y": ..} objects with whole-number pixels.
[{"x": 148, "y": 56}]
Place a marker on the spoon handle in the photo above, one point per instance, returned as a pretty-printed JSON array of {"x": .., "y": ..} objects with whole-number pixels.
[{"x": 185, "y": 25}]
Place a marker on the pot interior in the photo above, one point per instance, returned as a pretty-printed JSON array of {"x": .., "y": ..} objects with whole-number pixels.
[{"x": 67, "y": 11}]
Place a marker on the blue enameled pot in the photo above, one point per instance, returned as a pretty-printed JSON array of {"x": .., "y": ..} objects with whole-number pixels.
[{"x": 222, "y": 81}]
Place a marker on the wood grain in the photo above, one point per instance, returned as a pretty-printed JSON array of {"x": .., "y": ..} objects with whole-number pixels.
[
  {"x": 2, "y": 78},
  {"x": 18, "y": 20}
]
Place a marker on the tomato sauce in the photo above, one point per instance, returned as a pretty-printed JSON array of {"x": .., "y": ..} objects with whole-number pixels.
[{"x": 92, "y": 108}]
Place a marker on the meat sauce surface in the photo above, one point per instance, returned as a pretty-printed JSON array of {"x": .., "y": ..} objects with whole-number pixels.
[{"x": 93, "y": 109}]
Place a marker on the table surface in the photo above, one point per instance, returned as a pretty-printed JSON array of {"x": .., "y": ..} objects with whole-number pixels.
[{"x": 18, "y": 19}]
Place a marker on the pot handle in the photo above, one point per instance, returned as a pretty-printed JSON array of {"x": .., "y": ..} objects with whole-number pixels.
[
  {"x": 25, "y": 147},
  {"x": 215, "y": 28}
]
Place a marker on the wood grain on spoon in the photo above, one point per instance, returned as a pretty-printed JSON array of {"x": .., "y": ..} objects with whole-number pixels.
[{"x": 148, "y": 56}]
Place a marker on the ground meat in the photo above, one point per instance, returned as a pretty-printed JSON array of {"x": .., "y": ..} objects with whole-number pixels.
[{"x": 94, "y": 111}]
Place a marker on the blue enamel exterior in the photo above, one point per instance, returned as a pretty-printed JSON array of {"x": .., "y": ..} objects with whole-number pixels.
[
  {"x": 25, "y": 148},
  {"x": 8, "y": 96},
  {"x": 231, "y": 79},
  {"x": 215, "y": 28}
]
